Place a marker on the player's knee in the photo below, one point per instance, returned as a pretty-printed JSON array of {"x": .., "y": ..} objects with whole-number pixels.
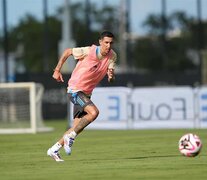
[{"x": 94, "y": 114}]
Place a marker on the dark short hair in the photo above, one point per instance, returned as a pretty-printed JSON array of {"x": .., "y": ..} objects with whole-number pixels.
[{"x": 106, "y": 34}]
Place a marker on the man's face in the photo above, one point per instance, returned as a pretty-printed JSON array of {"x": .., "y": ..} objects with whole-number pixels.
[{"x": 105, "y": 45}]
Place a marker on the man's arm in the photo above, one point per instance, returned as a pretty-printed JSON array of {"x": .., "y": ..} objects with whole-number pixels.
[
  {"x": 57, "y": 74},
  {"x": 110, "y": 74},
  {"x": 112, "y": 64}
]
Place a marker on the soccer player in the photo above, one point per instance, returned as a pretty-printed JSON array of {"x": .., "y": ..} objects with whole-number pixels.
[{"x": 94, "y": 62}]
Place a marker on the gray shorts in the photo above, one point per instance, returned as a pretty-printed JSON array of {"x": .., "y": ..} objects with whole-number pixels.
[{"x": 80, "y": 101}]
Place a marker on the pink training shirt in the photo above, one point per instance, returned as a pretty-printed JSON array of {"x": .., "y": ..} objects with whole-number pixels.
[{"x": 89, "y": 71}]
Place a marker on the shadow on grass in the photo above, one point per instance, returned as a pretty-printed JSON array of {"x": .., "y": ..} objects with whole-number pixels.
[
  {"x": 134, "y": 158},
  {"x": 164, "y": 156},
  {"x": 148, "y": 157}
]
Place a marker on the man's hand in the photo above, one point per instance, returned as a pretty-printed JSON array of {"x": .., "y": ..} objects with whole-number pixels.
[
  {"x": 58, "y": 76},
  {"x": 110, "y": 74}
]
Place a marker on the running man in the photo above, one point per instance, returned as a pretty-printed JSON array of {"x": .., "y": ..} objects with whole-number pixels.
[{"x": 94, "y": 62}]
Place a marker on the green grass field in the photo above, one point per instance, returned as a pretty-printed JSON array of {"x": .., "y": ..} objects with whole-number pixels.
[{"x": 117, "y": 154}]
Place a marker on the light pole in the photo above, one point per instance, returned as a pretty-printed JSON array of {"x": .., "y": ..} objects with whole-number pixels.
[
  {"x": 200, "y": 40},
  {"x": 123, "y": 36},
  {"x": 46, "y": 38},
  {"x": 4, "y": 5}
]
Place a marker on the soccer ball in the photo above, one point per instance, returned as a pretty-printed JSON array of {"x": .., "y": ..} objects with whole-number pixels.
[{"x": 190, "y": 145}]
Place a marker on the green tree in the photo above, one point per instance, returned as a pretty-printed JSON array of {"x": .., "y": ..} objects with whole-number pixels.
[
  {"x": 158, "y": 51},
  {"x": 29, "y": 33}
]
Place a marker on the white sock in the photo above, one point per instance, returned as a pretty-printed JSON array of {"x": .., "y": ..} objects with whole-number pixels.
[
  {"x": 72, "y": 134},
  {"x": 56, "y": 147}
]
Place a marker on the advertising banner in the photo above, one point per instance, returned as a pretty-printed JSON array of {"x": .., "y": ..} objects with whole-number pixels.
[
  {"x": 170, "y": 107},
  {"x": 148, "y": 108},
  {"x": 201, "y": 104}
]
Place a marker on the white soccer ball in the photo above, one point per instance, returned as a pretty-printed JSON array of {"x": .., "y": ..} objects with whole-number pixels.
[{"x": 190, "y": 145}]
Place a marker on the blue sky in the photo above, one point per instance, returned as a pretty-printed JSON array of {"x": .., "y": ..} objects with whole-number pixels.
[{"x": 139, "y": 9}]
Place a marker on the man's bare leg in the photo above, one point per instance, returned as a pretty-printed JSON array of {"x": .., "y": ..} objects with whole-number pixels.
[{"x": 79, "y": 125}]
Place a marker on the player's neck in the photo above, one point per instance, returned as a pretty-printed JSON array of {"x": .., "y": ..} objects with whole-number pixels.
[{"x": 98, "y": 53}]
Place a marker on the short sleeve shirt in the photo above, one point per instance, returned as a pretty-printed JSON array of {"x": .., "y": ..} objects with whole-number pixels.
[{"x": 81, "y": 52}]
